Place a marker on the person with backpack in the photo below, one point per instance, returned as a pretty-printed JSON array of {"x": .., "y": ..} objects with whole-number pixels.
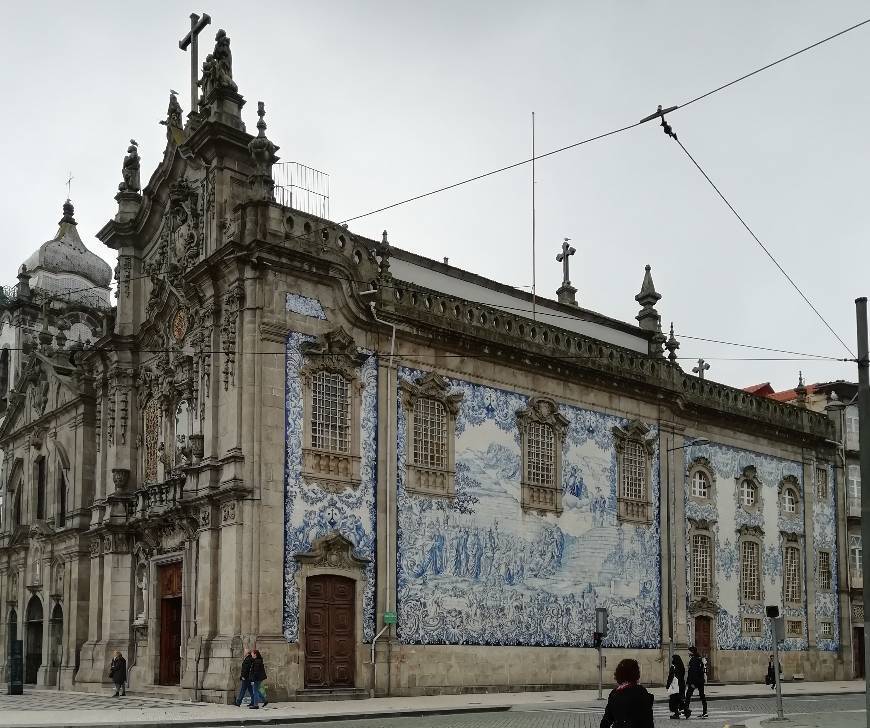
[
  {"x": 676, "y": 686},
  {"x": 118, "y": 674},
  {"x": 258, "y": 675},
  {"x": 629, "y": 704},
  {"x": 695, "y": 679},
  {"x": 245, "y": 685}
]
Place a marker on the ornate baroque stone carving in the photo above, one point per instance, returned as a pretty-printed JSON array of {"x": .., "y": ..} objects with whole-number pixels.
[
  {"x": 332, "y": 551},
  {"x": 232, "y": 305},
  {"x": 228, "y": 512}
]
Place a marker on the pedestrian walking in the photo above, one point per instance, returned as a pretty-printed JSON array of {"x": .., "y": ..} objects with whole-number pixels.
[
  {"x": 245, "y": 685},
  {"x": 770, "y": 678},
  {"x": 629, "y": 704},
  {"x": 676, "y": 686},
  {"x": 118, "y": 673},
  {"x": 695, "y": 680},
  {"x": 258, "y": 675}
]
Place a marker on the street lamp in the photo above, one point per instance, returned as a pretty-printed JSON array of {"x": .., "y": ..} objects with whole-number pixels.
[{"x": 672, "y": 559}]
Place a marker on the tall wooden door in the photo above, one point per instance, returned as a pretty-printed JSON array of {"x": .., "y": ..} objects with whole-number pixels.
[
  {"x": 169, "y": 579},
  {"x": 330, "y": 640},
  {"x": 858, "y": 647},
  {"x": 703, "y": 628}
]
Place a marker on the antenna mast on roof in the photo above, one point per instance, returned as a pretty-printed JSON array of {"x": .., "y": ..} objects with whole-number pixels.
[{"x": 533, "y": 216}]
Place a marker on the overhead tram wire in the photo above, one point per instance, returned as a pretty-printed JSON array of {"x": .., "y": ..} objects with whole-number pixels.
[{"x": 763, "y": 247}]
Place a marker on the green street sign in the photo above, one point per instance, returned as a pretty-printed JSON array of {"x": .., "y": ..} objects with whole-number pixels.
[{"x": 389, "y": 617}]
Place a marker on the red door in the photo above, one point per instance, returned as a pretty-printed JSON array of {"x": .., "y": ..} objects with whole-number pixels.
[
  {"x": 169, "y": 578},
  {"x": 330, "y": 643},
  {"x": 703, "y": 643}
]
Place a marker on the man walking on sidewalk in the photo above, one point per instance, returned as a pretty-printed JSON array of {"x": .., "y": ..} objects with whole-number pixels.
[
  {"x": 695, "y": 679},
  {"x": 245, "y": 685}
]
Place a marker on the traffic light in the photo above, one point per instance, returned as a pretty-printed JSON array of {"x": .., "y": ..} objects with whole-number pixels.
[{"x": 596, "y": 640}]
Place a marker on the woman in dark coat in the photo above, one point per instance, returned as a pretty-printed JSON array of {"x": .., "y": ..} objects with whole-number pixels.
[
  {"x": 678, "y": 673},
  {"x": 629, "y": 705}
]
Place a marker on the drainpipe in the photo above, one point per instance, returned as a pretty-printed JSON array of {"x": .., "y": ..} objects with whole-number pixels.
[{"x": 390, "y": 481}]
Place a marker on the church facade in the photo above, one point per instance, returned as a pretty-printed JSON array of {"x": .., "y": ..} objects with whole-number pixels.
[{"x": 388, "y": 474}]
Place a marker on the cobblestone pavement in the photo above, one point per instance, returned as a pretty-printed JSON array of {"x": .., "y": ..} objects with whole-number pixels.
[{"x": 62, "y": 700}]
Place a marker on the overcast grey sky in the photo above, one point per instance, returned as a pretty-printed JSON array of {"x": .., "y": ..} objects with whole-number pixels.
[{"x": 392, "y": 99}]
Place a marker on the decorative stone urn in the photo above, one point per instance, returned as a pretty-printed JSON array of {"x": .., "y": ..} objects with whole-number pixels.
[{"x": 120, "y": 477}]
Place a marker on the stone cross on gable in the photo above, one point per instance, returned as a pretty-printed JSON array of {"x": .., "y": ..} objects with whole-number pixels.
[
  {"x": 197, "y": 25},
  {"x": 562, "y": 258},
  {"x": 701, "y": 368}
]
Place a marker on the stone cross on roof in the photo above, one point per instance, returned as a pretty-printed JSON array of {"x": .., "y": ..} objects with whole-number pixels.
[
  {"x": 197, "y": 25},
  {"x": 566, "y": 292},
  {"x": 701, "y": 368}
]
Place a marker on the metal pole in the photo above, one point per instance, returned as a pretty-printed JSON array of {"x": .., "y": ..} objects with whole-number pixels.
[
  {"x": 600, "y": 673},
  {"x": 534, "y": 282},
  {"x": 669, "y": 501},
  {"x": 779, "y": 714},
  {"x": 864, "y": 453}
]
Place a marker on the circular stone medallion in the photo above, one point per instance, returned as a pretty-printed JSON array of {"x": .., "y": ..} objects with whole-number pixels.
[{"x": 179, "y": 325}]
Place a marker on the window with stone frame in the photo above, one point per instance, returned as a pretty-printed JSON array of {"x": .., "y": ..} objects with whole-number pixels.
[
  {"x": 856, "y": 562},
  {"x": 824, "y": 574},
  {"x": 751, "y": 625},
  {"x": 789, "y": 496},
  {"x": 634, "y": 451},
  {"x": 748, "y": 493},
  {"x": 430, "y": 433},
  {"x": 750, "y": 571},
  {"x": 542, "y": 433},
  {"x": 794, "y": 627},
  {"x": 826, "y": 629},
  {"x": 853, "y": 483},
  {"x": 822, "y": 484},
  {"x": 792, "y": 592},
  {"x": 702, "y": 565},
  {"x": 702, "y": 480},
  {"x": 332, "y": 400}
]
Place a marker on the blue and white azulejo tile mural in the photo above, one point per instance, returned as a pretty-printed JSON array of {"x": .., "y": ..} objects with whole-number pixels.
[
  {"x": 311, "y": 512},
  {"x": 477, "y": 570},
  {"x": 305, "y": 306}
]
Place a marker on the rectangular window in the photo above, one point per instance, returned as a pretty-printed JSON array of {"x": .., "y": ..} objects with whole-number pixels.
[
  {"x": 821, "y": 483},
  {"x": 791, "y": 575},
  {"x": 825, "y": 575},
  {"x": 749, "y": 573},
  {"x": 794, "y": 627},
  {"x": 330, "y": 405},
  {"x": 852, "y": 424},
  {"x": 751, "y": 625},
  {"x": 541, "y": 455},
  {"x": 701, "y": 565},
  {"x": 854, "y": 483},
  {"x": 634, "y": 471},
  {"x": 700, "y": 485},
  {"x": 430, "y": 434},
  {"x": 826, "y": 629},
  {"x": 856, "y": 562}
]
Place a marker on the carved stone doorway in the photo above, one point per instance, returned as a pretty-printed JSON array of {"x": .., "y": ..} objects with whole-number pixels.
[
  {"x": 704, "y": 642},
  {"x": 11, "y": 630},
  {"x": 330, "y": 639},
  {"x": 169, "y": 579},
  {"x": 33, "y": 642}
]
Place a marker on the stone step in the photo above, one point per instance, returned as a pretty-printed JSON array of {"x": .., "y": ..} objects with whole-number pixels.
[{"x": 311, "y": 695}]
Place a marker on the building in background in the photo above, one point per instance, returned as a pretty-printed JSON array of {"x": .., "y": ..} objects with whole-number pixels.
[{"x": 385, "y": 472}]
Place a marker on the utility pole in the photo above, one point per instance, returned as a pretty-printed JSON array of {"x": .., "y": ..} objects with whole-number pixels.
[{"x": 864, "y": 453}]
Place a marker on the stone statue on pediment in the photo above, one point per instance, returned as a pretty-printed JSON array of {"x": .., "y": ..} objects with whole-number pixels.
[{"x": 130, "y": 169}]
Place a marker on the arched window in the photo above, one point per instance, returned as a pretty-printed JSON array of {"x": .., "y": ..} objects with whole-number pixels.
[
  {"x": 700, "y": 484},
  {"x": 633, "y": 454},
  {"x": 747, "y": 494},
  {"x": 40, "y": 489},
  {"x": 60, "y": 521},
  {"x": 542, "y": 432},
  {"x": 4, "y": 372},
  {"x": 789, "y": 500}
]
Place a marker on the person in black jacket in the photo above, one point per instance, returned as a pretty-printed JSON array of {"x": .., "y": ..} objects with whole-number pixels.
[
  {"x": 629, "y": 705},
  {"x": 118, "y": 673},
  {"x": 770, "y": 678},
  {"x": 675, "y": 699},
  {"x": 245, "y": 685},
  {"x": 258, "y": 675},
  {"x": 695, "y": 679}
]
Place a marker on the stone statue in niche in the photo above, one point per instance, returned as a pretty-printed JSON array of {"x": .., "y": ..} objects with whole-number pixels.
[
  {"x": 130, "y": 170},
  {"x": 141, "y": 592}
]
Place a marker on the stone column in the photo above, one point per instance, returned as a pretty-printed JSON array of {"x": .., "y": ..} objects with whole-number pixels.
[{"x": 386, "y": 523}]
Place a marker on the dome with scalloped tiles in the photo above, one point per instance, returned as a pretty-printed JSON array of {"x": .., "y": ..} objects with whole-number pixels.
[{"x": 65, "y": 261}]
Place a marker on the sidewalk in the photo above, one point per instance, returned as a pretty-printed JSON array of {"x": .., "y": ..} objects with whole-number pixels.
[
  {"x": 841, "y": 719},
  {"x": 136, "y": 712}
]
